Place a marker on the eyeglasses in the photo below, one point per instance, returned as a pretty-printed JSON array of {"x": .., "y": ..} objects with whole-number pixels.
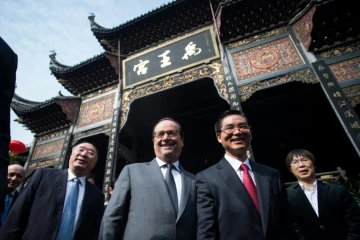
[
  {"x": 170, "y": 134},
  {"x": 231, "y": 129},
  {"x": 83, "y": 150},
  {"x": 297, "y": 162}
]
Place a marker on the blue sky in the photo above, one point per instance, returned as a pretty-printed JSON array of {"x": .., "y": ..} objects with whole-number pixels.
[{"x": 32, "y": 28}]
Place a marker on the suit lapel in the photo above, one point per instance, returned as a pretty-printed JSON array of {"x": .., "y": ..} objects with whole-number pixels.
[
  {"x": 16, "y": 194},
  {"x": 61, "y": 183},
  {"x": 232, "y": 180},
  {"x": 185, "y": 192},
  {"x": 303, "y": 201},
  {"x": 322, "y": 192},
  {"x": 158, "y": 179},
  {"x": 86, "y": 202},
  {"x": 262, "y": 187}
]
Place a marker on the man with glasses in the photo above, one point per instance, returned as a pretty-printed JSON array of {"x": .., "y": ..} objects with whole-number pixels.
[
  {"x": 238, "y": 198},
  {"x": 58, "y": 204},
  {"x": 322, "y": 211},
  {"x": 154, "y": 200}
]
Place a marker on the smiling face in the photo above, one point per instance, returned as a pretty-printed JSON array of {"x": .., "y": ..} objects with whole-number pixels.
[
  {"x": 236, "y": 143},
  {"x": 82, "y": 159},
  {"x": 303, "y": 169},
  {"x": 167, "y": 148},
  {"x": 16, "y": 175}
]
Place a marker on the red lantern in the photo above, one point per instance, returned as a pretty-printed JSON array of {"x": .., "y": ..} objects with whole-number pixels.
[{"x": 16, "y": 147}]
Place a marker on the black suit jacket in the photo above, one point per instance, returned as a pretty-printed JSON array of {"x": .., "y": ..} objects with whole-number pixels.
[
  {"x": 225, "y": 210},
  {"x": 339, "y": 214},
  {"x": 8, "y": 66},
  {"x": 36, "y": 214}
]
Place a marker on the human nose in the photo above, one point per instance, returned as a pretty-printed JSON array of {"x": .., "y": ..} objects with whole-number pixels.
[
  {"x": 301, "y": 163},
  {"x": 167, "y": 136},
  {"x": 238, "y": 130},
  {"x": 83, "y": 153}
]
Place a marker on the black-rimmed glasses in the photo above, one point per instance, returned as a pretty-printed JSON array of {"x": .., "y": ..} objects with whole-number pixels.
[{"x": 231, "y": 129}]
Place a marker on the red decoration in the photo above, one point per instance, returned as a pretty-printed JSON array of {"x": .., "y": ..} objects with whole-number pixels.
[{"x": 16, "y": 147}]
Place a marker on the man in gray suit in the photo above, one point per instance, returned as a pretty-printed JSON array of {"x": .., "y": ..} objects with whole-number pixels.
[{"x": 154, "y": 200}]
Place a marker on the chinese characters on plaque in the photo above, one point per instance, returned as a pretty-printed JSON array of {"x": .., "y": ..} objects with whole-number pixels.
[
  {"x": 232, "y": 90},
  {"x": 111, "y": 154},
  {"x": 64, "y": 149},
  {"x": 345, "y": 111},
  {"x": 177, "y": 55}
]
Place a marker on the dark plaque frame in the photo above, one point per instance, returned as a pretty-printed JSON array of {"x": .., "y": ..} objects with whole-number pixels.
[{"x": 184, "y": 52}]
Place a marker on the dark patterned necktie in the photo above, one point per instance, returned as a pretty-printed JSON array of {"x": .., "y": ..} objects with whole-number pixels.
[
  {"x": 170, "y": 183},
  {"x": 250, "y": 186}
]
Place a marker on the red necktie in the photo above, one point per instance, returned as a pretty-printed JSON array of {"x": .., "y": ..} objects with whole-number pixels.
[{"x": 250, "y": 186}]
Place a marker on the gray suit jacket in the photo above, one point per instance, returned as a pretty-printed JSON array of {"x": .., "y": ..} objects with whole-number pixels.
[{"x": 141, "y": 208}]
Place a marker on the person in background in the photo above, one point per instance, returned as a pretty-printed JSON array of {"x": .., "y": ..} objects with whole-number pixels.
[
  {"x": 58, "y": 204},
  {"x": 112, "y": 186},
  {"x": 322, "y": 211},
  {"x": 238, "y": 198},
  {"x": 16, "y": 175},
  {"x": 91, "y": 177}
]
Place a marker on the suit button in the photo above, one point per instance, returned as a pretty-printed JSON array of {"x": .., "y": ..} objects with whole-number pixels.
[{"x": 322, "y": 227}]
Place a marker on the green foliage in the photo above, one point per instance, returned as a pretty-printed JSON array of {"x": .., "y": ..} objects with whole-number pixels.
[{"x": 17, "y": 160}]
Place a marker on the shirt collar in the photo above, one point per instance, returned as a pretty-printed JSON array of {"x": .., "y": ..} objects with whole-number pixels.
[
  {"x": 235, "y": 163},
  {"x": 13, "y": 193},
  {"x": 161, "y": 163},
  {"x": 71, "y": 176},
  {"x": 303, "y": 187}
]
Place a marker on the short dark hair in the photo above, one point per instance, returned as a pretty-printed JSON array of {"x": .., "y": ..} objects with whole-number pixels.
[
  {"x": 225, "y": 114},
  {"x": 181, "y": 131},
  {"x": 299, "y": 153}
]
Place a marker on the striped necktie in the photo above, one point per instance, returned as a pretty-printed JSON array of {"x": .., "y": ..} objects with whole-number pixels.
[{"x": 250, "y": 186}]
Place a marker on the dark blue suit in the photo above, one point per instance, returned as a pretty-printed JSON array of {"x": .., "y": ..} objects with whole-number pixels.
[
  {"x": 37, "y": 212},
  {"x": 16, "y": 194}
]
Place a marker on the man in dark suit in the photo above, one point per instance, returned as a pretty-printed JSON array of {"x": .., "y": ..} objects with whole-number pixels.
[
  {"x": 58, "y": 204},
  {"x": 154, "y": 200},
  {"x": 16, "y": 175},
  {"x": 238, "y": 198},
  {"x": 8, "y": 66},
  {"x": 322, "y": 211}
]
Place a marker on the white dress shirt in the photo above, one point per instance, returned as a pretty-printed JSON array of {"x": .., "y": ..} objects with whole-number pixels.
[
  {"x": 176, "y": 174},
  {"x": 71, "y": 176},
  {"x": 312, "y": 196},
  {"x": 236, "y": 165}
]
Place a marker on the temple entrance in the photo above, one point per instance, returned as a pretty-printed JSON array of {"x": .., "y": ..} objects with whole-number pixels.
[
  {"x": 297, "y": 115},
  {"x": 195, "y": 105}
]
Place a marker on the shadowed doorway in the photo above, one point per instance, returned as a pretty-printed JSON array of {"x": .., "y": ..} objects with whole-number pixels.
[
  {"x": 195, "y": 105},
  {"x": 297, "y": 115}
]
